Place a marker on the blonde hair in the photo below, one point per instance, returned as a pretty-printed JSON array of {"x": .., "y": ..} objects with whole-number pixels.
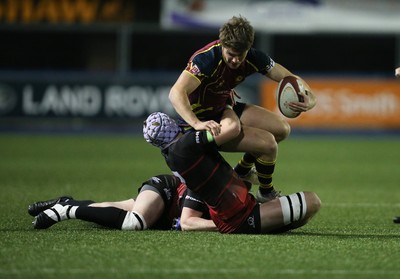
[{"x": 237, "y": 34}]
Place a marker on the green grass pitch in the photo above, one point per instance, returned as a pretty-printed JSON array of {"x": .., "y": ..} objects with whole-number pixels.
[{"x": 353, "y": 236}]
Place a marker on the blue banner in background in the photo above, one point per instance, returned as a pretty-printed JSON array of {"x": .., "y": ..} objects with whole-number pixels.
[{"x": 103, "y": 98}]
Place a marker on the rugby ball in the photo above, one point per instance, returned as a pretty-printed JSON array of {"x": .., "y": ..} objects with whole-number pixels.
[{"x": 288, "y": 91}]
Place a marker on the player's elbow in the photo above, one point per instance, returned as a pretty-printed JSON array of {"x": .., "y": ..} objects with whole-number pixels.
[
  {"x": 313, "y": 203},
  {"x": 185, "y": 225},
  {"x": 172, "y": 95}
]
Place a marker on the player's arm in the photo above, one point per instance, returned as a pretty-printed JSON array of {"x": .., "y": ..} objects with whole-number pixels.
[
  {"x": 192, "y": 220},
  {"x": 278, "y": 72},
  {"x": 178, "y": 96}
]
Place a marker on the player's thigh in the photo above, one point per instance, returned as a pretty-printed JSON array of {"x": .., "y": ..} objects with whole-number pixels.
[
  {"x": 290, "y": 212},
  {"x": 271, "y": 215},
  {"x": 126, "y": 205},
  {"x": 150, "y": 205},
  {"x": 230, "y": 127},
  {"x": 252, "y": 140},
  {"x": 261, "y": 118}
]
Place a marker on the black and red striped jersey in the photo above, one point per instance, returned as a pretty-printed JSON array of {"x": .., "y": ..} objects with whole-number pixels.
[
  {"x": 204, "y": 171},
  {"x": 217, "y": 80}
]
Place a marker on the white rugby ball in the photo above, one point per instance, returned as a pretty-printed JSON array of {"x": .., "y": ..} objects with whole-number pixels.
[{"x": 288, "y": 91}]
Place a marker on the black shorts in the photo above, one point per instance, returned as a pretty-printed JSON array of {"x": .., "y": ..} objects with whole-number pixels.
[
  {"x": 252, "y": 224},
  {"x": 238, "y": 108},
  {"x": 170, "y": 189}
]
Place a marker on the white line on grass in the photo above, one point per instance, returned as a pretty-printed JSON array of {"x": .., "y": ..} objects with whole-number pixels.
[
  {"x": 361, "y": 204},
  {"x": 77, "y": 271}
]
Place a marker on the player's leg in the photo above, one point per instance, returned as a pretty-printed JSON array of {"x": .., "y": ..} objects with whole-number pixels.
[
  {"x": 261, "y": 118},
  {"x": 230, "y": 127},
  {"x": 100, "y": 213},
  {"x": 124, "y": 215},
  {"x": 126, "y": 205},
  {"x": 288, "y": 212},
  {"x": 150, "y": 205},
  {"x": 261, "y": 151},
  {"x": 268, "y": 122},
  {"x": 35, "y": 208}
]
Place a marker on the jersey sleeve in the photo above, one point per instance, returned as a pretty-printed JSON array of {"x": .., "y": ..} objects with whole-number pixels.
[
  {"x": 193, "y": 139},
  {"x": 194, "y": 202},
  {"x": 204, "y": 62},
  {"x": 262, "y": 62}
]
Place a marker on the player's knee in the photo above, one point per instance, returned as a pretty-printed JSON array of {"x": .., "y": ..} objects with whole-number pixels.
[
  {"x": 313, "y": 203},
  {"x": 294, "y": 207},
  {"x": 133, "y": 222},
  {"x": 270, "y": 145},
  {"x": 283, "y": 132},
  {"x": 299, "y": 206},
  {"x": 232, "y": 129}
]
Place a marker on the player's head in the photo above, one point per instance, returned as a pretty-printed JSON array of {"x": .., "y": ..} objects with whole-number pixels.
[
  {"x": 237, "y": 34},
  {"x": 160, "y": 130}
]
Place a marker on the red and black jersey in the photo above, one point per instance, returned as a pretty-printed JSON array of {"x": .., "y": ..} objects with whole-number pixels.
[
  {"x": 218, "y": 80},
  {"x": 199, "y": 164},
  {"x": 175, "y": 196}
]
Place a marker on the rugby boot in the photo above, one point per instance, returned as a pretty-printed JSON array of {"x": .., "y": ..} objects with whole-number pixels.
[
  {"x": 51, "y": 216},
  {"x": 262, "y": 198},
  {"x": 37, "y": 207}
]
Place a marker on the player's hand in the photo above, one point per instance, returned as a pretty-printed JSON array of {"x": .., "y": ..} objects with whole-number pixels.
[
  {"x": 309, "y": 101},
  {"x": 213, "y": 127},
  {"x": 397, "y": 72},
  {"x": 176, "y": 224}
]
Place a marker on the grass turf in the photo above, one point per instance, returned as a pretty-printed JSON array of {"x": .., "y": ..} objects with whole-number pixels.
[{"x": 351, "y": 237}]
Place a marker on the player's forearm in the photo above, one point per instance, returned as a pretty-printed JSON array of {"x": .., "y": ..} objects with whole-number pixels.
[
  {"x": 181, "y": 104},
  {"x": 198, "y": 224}
]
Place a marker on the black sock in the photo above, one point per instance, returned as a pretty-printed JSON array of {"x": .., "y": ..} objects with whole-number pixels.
[
  {"x": 264, "y": 171},
  {"x": 245, "y": 164},
  {"x": 110, "y": 217},
  {"x": 79, "y": 203}
]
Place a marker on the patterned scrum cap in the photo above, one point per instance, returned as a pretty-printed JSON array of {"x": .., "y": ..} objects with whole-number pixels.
[{"x": 159, "y": 129}]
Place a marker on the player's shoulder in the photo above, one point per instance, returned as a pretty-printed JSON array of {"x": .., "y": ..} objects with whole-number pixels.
[
  {"x": 259, "y": 59},
  {"x": 255, "y": 54},
  {"x": 208, "y": 57}
]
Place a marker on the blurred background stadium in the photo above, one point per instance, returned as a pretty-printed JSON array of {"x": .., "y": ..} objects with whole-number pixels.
[{"x": 103, "y": 65}]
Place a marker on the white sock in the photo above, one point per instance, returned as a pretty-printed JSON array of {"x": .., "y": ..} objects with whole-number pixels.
[
  {"x": 134, "y": 221},
  {"x": 61, "y": 212}
]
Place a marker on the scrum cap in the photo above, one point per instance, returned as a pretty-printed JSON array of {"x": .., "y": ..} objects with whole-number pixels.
[{"x": 160, "y": 130}]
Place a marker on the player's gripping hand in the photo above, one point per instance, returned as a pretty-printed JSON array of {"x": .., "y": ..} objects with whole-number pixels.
[
  {"x": 176, "y": 224},
  {"x": 309, "y": 101},
  {"x": 213, "y": 127}
]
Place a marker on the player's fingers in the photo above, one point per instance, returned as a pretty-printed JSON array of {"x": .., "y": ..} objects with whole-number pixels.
[
  {"x": 216, "y": 130},
  {"x": 298, "y": 106}
]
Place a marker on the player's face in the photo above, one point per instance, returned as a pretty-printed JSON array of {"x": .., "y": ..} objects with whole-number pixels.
[{"x": 233, "y": 58}]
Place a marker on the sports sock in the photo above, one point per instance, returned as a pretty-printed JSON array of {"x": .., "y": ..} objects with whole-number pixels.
[
  {"x": 134, "y": 221},
  {"x": 245, "y": 164},
  {"x": 110, "y": 217},
  {"x": 79, "y": 202},
  {"x": 61, "y": 212},
  {"x": 264, "y": 171}
]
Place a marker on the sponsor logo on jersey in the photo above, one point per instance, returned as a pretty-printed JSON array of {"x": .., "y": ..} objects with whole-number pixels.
[
  {"x": 156, "y": 180},
  {"x": 193, "y": 199},
  {"x": 167, "y": 193},
  {"x": 193, "y": 69},
  {"x": 250, "y": 221}
]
